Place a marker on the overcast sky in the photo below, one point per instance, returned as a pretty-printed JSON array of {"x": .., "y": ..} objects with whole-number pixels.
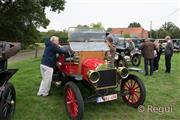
[{"x": 115, "y": 13}]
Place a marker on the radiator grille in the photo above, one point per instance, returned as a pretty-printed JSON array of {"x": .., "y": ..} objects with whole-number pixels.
[{"x": 107, "y": 79}]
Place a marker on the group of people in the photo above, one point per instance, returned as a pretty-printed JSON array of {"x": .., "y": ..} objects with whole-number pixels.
[{"x": 152, "y": 51}]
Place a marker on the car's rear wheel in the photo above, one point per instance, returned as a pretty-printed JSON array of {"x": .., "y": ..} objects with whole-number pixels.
[
  {"x": 136, "y": 60},
  {"x": 74, "y": 101},
  {"x": 7, "y": 102},
  {"x": 133, "y": 90}
]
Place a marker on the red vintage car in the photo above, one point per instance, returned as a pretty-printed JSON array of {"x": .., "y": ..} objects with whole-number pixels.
[{"x": 88, "y": 76}]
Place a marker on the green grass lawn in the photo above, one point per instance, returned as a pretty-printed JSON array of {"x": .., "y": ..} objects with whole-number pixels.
[{"x": 162, "y": 90}]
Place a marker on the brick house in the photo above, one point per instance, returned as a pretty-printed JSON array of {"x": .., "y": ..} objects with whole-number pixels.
[{"x": 134, "y": 32}]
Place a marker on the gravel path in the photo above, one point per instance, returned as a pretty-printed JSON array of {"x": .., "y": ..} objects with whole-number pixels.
[{"x": 25, "y": 55}]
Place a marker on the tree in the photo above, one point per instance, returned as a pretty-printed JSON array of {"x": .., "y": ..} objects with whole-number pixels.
[
  {"x": 170, "y": 29},
  {"x": 63, "y": 35},
  {"x": 97, "y": 25},
  {"x": 126, "y": 36},
  {"x": 163, "y": 33},
  {"x": 153, "y": 34},
  {"x": 84, "y": 26},
  {"x": 109, "y": 30},
  {"x": 134, "y": 24},
  {"x": 19, "y": 19}
]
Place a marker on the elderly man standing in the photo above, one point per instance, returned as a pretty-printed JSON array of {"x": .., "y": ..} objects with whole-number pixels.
[
  {"x": 48, "y": 63},
  {"x": 168, "y": 53},
  {"x": 147, "y": 49}
]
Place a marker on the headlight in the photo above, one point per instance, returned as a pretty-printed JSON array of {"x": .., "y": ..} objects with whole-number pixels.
[
  {"x": 93, "y": 76},
  {"x": 116, "y": 57},
  {"x": 123, "y": 72}
]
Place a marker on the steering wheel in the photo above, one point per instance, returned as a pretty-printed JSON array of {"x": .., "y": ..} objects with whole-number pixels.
[{"x": 69, "y": 52}]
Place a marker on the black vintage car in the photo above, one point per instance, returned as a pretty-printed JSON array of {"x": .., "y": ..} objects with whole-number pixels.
[
  {"x": 125, "y": 55},
  {"x": 176, "y": 43},
  {"x": 7, "y": 90}
]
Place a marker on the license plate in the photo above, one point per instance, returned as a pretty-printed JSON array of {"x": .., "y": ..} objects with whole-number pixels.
[{"x": 106, "y": 98}]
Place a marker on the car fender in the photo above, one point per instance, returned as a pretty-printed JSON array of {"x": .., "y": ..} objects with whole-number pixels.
[
  {"x": 6, "y": 75},
  {"x": 135, "y": 53}
]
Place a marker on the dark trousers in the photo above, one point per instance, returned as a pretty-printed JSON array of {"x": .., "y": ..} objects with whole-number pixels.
[
  {"x": 146, "y": 63},
  {"x": 156, "y": 63},
  {"x": 168, "y": 62}
]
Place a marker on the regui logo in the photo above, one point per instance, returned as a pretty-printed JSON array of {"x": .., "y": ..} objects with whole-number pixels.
[
  {"x": 155, "y": 109},
  {"x": 160, "y": 109}
]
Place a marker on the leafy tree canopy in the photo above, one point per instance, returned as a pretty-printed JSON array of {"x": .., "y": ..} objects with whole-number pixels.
[
  {"x": 19, "y": 19},
  {"x": 97, "y": 25},
  {"x": 134, "y": 24},
  {"x": 170, "y": 29},
  {"x": 63, "y": 35}
]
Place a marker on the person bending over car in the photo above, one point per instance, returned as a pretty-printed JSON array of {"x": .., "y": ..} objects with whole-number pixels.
[{"x": 48, "y": 63}]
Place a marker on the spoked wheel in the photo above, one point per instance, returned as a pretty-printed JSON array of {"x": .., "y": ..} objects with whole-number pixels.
[
  {"x": 133, "y": 90},
  {"x": 7, "y": 102},
  {"x": 74, "y": 101},
  {"x": 136, "y": 60}
]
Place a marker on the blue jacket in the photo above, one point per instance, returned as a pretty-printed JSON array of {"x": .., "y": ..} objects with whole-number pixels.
[{"x": 49, "y": 56}]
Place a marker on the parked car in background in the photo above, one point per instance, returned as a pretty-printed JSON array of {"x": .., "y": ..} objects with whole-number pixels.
[
  {"x": 124, "y": 55},
  {"x": 88, "y": 76},
  {"x": 176, "y": 43}
]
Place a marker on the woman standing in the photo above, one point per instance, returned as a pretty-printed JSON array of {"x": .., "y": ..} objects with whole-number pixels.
[{"x": 157, "y": 54}]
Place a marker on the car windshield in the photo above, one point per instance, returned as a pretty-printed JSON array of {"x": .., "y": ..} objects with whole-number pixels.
[
  {"x": 120, "y": 43},
  {"x": 89, "y": 46},
  {"x": 86, "y": 34},
  {"x": 87, "y": 39}
]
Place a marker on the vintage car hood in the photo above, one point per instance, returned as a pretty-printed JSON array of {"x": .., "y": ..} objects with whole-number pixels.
[
  {"x": 90, "y": 64},
  {"x": 89, "y": 46}
]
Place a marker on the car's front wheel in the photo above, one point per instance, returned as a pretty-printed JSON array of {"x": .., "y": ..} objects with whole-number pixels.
[
  {"x": 74, "y": 101},
  {"x": 7, "y": 102},
  {"x": 133, "y": 91}
]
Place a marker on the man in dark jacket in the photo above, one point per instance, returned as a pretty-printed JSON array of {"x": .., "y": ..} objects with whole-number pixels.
[
  {"x": 147, "y": 49},
  {"x": 48, "y": 63},
  {"x": 168, "y": 53}
]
